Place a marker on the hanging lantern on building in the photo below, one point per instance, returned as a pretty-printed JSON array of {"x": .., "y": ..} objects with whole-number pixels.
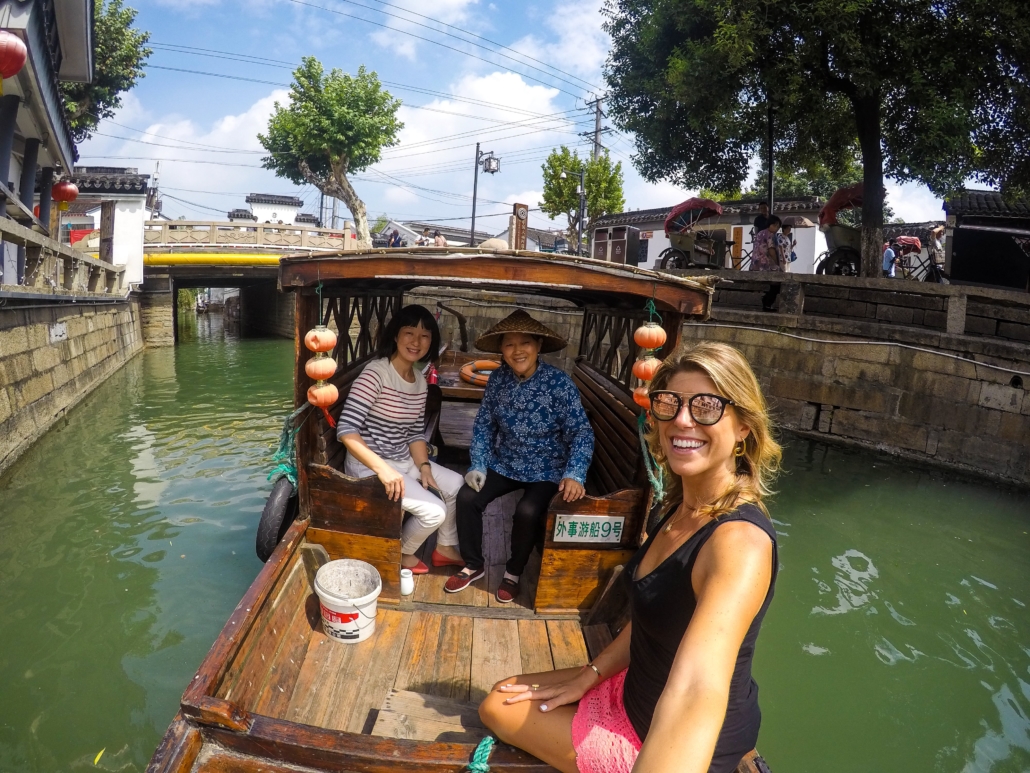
[
  {"x": 646, "y": 367},
  {"x": 12, "y": 55},
  {"x": 323, "y": 395},
  {"x": 64, "y": 192}
]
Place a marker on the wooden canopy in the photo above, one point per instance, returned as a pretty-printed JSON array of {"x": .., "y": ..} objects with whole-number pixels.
[{"x": 583, "y": 281}]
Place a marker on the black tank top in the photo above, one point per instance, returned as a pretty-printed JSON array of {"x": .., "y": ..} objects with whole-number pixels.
[{"x": 662, "y": 604}]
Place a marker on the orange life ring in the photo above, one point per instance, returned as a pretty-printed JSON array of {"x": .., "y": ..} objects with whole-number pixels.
[{"x": 477, "y": 372}]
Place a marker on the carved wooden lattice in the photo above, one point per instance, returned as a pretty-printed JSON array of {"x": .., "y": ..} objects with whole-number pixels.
[
  {"x": 607, "y": 342},
  {"x": 359, "y": 318}
]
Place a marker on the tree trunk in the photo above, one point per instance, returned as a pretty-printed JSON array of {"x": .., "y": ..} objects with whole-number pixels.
[
  {"x": 338, "y": 186},
  {"x": 867, "y": 117}
]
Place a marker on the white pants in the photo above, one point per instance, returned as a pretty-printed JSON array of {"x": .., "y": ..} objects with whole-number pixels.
[{"x": 428, "y": 513}]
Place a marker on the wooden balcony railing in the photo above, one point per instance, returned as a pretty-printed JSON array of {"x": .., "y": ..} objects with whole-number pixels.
[{"x": 233, "y": 236}]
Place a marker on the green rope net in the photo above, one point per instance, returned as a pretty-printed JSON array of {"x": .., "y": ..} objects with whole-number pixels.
[
  {"x": 654, "y": 472},
  {"x": 286, "y": 455},
  {"x": 481, "y": 756}
]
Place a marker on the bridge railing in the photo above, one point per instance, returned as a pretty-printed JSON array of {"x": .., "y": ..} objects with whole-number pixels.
[{"x": 262, "y": 236}]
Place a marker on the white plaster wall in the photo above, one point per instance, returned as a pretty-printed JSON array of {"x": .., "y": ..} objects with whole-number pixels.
[
  {"x": 127, "y": 249},
  {"x": 275, "y": 213}
]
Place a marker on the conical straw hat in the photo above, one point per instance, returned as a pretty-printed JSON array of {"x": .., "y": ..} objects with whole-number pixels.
[{"x": 519, "y": 322}]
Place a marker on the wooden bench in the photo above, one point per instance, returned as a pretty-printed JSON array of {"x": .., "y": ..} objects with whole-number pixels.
[{"x": 572, "y": 574}]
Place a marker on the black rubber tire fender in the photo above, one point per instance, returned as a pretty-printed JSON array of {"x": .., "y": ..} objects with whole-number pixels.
[{"x": 280, "y": 511}]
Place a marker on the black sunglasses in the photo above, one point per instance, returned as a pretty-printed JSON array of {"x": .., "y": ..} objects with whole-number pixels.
[{"x": 703, "y": 408}]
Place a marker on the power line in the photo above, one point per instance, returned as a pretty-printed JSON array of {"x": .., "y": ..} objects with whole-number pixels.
[
  {"x": 278, "y": 63},
  {"x": 442, "y": 45}
]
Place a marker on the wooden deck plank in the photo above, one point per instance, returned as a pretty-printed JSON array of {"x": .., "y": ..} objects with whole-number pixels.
[
  {"x": 369, "y": 678},
  {"x": 495, "y": 654},
  {"x": 285, "y": 666},
  {"x": 421, "y": 648},
  {"x": 324, "y": 658},
  {"x": 535, "y": 647},
  {"x": 453, "y": 675},
  {"x": 597, "y": 637},
  {"x": 422, "y": 717},
  {"x": 568, "y": 649}
]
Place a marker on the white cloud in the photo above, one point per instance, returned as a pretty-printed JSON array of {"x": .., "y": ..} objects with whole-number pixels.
[
  {"x": 397, "y": 39},
  {"x": 914, "y": 203},
  {"x": 576, "y": 43},
  {"x": 228, "y": 147}
]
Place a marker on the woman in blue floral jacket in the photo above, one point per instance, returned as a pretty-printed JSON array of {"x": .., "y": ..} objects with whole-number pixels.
[{"x": 530, "y": 433}]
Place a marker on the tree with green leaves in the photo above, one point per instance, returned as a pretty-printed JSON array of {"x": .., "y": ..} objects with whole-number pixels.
[
  {"x": 334, "y": 125},
  {"x": 119, "y": 57},
  {"x": 602, "y": 183},
  {"x": 934, "y": 91}
]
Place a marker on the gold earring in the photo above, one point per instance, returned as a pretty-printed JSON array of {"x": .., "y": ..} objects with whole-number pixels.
[{"x": 739, "y": 451}]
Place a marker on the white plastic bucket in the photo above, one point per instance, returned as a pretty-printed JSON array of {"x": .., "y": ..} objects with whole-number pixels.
[{"x": 347, "y": 591}]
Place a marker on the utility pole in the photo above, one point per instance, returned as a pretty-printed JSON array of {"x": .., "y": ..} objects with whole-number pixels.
[
  {"x": 491, "y": 165},
  {"x": 771, "y": 159},
  {"x": 335, "y": 204},
  {"x": 598, "y": 129},
  {"x": 321, "y": 208}
]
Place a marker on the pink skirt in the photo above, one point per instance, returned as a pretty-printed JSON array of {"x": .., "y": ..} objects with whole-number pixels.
[{"x": 602, "y": 735}]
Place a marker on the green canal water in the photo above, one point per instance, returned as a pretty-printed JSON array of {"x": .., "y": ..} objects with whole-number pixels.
[{"x": 899, "y": 639}]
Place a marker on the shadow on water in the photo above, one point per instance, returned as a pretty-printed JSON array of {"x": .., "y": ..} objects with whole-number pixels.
[
  {"x": 128, "y": 541},
  {"x": 897, "y": 640}
]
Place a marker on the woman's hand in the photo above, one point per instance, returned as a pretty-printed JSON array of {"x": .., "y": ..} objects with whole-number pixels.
[
  {"x": 426, "y": 474},
  {"x": 393, "y": 482},
  {"x": 571, "y": 490},
  {"x": 552, "y": 695}
]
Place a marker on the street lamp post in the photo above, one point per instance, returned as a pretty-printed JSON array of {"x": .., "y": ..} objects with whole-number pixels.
[
  {"x": 491, "y": 165},
  {"x": 582, "y": 207}
]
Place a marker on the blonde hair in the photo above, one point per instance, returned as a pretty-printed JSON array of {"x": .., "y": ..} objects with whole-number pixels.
[{"x": 731, "y": 373}]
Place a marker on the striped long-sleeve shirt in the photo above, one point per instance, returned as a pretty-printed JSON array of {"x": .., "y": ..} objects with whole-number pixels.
[{"x": 387, "y": 411}]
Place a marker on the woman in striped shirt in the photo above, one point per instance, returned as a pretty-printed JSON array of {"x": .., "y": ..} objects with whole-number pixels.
[{"x": 383, "y": 427}]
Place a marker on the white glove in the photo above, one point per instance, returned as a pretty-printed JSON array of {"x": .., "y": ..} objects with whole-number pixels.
[{"x": 475, "y": 479}]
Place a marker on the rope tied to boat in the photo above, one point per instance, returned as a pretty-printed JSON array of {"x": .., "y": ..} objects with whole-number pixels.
[
  {"x": 481, "y": 756},
  {"x": 286, "y": 455},
  {"x": 654, "y": 472}
]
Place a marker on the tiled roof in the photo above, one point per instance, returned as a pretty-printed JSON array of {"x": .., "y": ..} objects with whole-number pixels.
[
  {"x": 447, "y": 231},
  {"x": 304, "y": 217},
  {"x": 241, "y": 214},
  {"x": 542, "y": 237},
  {"x": 920, "y": 230},
  {"x": 986, "y": 204},
  {"x": 274, "y": 198},
  {"x": 735, "y": 207},
  {"x": 108, "y": 179},
  {"x": 82, "y": 207}
]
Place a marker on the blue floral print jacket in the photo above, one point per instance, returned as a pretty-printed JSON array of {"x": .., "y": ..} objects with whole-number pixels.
[{"x": 532, "y": 430}]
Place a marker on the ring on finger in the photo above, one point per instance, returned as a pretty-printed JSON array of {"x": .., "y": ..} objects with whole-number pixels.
[{"x": 534, "y": 687}]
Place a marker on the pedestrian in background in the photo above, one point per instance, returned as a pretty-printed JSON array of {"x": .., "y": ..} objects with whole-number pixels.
[
  {"x": 890, "y": 260},
  {"x": 438, "y": 241}
]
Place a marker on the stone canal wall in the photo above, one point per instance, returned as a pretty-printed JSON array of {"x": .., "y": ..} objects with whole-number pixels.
[
  {"x": 53, "y": 356},
  {"x": 934, "y": 374},
  {"x": 265, "y": 311}
]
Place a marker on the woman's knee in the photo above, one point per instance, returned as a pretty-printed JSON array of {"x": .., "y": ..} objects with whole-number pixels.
[
  {"x": 494, "y": 713},
  {"x": 466, "y": 498},
  {"x": 529, "y": 512}
]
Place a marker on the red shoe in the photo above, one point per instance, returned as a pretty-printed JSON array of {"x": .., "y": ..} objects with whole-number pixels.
[
  {"x": 418, "y": 568},
  {"x": 463, "y": 579},
  {"x": 439, "y": 559},
  {"x": 508, "y": 591}
]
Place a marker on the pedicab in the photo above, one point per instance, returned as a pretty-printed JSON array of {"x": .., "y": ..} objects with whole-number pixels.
[
  {"x": 691, "y": 247},
  {"x": 843, "y": 256},
  {"x": 275, "y": 693}
]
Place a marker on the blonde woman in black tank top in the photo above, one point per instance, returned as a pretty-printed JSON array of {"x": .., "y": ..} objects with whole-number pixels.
[{"x": 673, "y": 692}]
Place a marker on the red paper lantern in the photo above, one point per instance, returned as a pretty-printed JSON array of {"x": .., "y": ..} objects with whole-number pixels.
[
  {"x": 641, "y": 398},
  {"x": 650, "y": 335},
  {"x": 646, "y": 368},
  {"x": 64, "y": 193},
  {"x": 12, "y": 55}
]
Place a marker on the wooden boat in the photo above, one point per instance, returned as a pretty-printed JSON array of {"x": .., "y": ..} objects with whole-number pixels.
[{"x": 275, "y": 694}]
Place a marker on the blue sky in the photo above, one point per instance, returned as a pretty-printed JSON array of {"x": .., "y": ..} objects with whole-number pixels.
[{"x": 519, "y": 101}]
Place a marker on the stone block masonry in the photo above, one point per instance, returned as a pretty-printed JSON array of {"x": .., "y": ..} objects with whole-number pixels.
[
  {"x": 887, "y": 394},
  {"x": 51, "y": 357}
]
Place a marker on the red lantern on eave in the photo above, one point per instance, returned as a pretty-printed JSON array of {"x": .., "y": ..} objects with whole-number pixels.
[
  {"x": 12, "y": 55},
  {"x": 64, "y": 193}
]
